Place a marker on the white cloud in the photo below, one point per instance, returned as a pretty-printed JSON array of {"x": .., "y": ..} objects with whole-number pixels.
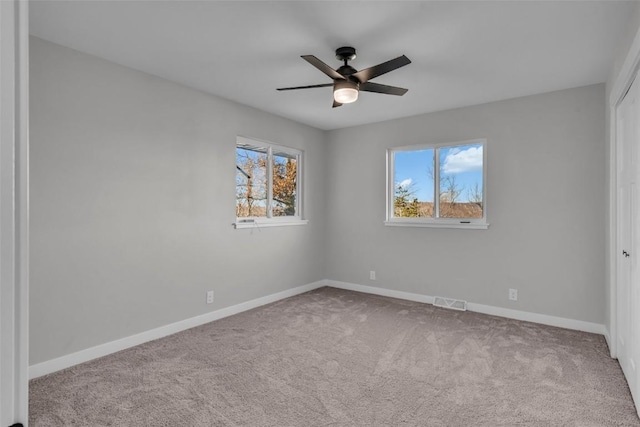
[
  {"x": 469, "y": 160},
  {"x": 405, "y": 183}
]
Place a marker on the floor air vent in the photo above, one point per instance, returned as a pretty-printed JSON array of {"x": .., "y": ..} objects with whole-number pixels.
[{"x": 454, "y": 304}]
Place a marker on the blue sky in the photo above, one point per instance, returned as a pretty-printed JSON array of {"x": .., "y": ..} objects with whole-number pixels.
[{"x": 464, "y": 162}]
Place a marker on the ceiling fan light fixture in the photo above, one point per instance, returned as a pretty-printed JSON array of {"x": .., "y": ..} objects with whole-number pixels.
[{"x": 345, "y": 92}]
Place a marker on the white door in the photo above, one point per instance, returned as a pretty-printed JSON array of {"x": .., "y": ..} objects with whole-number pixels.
[{"x": 628, "y": 220}]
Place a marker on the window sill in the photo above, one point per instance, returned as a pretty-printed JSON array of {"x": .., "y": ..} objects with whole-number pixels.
[
  {"x": 472, "y": 225},
  {"x": 263, "y": 224}
]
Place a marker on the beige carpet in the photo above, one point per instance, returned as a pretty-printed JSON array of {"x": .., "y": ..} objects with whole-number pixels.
[{"x": 338, "y": 358}]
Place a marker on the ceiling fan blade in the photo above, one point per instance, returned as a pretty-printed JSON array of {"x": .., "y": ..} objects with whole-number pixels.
[
  {"x": 336, "y": 104},
  {"x": 305, "y": 87},
  {"x": 323, "y": 67},
  {"x": 377, "y": 70},
  {"x": 378, "y": 88}
]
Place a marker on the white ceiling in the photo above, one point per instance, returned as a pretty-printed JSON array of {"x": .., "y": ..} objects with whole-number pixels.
[{"x": 463, "y": 53}]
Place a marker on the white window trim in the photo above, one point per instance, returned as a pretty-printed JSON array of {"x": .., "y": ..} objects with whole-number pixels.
[
  {"x": 261, "y": 223},
  {"x": 463, "y": 223},
  {"x": 269, "y": 221}
]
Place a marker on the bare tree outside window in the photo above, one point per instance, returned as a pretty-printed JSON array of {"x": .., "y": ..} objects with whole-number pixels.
[
  {"x": 251, "y": 183},
  {"x": 449, "y": 193}
]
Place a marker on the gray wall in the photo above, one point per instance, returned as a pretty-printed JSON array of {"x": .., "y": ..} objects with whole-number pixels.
[
  {"x": 546, "y": 195},
  {"x": 132, "y": 200}
]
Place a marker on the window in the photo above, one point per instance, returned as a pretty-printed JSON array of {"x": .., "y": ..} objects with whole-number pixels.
[
  {"x": 438, "y": 185},
  {"x": 267, "y": 184}
]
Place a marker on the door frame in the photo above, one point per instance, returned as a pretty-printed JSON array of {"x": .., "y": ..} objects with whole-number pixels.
[
  {"x": 621, "y": 85},
  {"x": 14, "y": 212}
]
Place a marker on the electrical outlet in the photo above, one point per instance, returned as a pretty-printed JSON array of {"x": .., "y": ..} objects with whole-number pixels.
[
  {"x": 513, "y": 294},
  {"x": 209, "y": 297},
  {"x": 372, "y": 275}
]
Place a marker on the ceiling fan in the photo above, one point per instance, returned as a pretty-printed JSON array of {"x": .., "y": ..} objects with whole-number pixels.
[{"x": 347, "y": 81}]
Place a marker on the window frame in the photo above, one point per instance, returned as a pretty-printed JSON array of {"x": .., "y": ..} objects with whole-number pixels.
[
  {"x": 435, "y": 222},
  {"x": 269, "y": 220}
]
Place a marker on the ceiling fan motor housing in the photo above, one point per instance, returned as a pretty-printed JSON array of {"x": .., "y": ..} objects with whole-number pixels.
[{"x": 347, "y": 71}]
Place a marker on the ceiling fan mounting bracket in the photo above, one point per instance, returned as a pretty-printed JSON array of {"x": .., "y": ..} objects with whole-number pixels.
[{"x": 346, "y": 53}]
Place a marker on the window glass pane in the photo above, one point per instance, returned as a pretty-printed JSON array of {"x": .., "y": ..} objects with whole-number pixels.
[
  {"x": 413, "y": 183},
  {"x": 251, "y": 181},
  {"x": 285, "y": 171},
  {"x": 461, "y": 183}
]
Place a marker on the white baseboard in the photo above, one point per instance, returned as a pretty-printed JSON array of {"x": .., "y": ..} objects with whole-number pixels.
[
  {"x": 101, "y": 350},
  {"x": 543, "y": 319},
  {"x": 607, "y": 338},
  {"x": 380, "y": 291}
]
